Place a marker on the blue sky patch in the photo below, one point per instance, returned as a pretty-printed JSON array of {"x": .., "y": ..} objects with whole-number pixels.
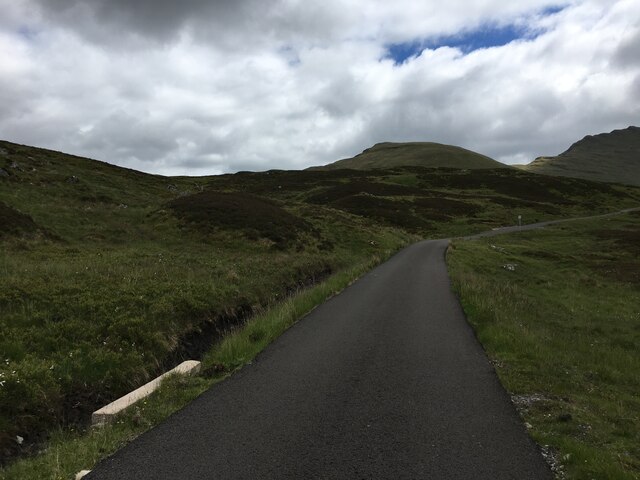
[
  {"x": 486, "y": 36},
  {"x": 400, "y": 52},
  {"x": 552, "y": 10}
]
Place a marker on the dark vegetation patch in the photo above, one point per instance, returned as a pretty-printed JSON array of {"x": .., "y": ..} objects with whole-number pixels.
[
  {"x": 441, "y": 193},
  {"x": 520, "y": 185},
  {"x": 254, "y": 216},
  {"x": 357, "y": 187},
  {"x": 97, "y": 198},
  {"x": 508, "y": 188},
  {"x": 628, "y": 239},
  {"x": 543, "y": 254},
  {"x": 15, "y": 223},
  {"x": 620, "y": 270},
  {"x": 276, "y": 182},
  {"x": 398, "y": 213},
  {"x": 448, "y": 206},
  {"x": 510, "y": 202}
]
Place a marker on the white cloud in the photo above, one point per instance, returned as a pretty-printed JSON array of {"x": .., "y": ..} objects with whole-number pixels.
[{"x": 199, "y": 87}]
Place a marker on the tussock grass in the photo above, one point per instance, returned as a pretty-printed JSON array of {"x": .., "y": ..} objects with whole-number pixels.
[
  {"x": 72, "y": 450},
  {"x": 564, "y": 332}
]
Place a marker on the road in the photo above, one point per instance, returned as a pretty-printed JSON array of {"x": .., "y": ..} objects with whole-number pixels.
[
  {"x": 534, "y": 226},
  {"x": 385, "y": 380}
]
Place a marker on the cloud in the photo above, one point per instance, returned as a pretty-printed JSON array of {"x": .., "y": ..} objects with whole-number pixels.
[
  {"x": 626, "y": 55},
  {"x": 201, "y": 87}
]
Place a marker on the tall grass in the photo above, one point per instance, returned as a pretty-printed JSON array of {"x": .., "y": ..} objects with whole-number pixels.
[
  {"x": 563, "y": 330},
  {"x": 70, "y": 451}
]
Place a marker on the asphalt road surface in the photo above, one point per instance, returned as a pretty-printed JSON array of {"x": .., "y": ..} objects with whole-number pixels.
[
  {"x": 534, "y": 226},
  {"x": 384, "y": 381}
]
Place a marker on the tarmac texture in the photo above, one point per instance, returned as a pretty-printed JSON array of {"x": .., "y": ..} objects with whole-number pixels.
[{"x": 384, "y": 381}]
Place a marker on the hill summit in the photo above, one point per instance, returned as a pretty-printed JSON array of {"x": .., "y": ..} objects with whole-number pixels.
[
  {"x": 607, "y": 157},
  {"x": 420, "y": 154}
]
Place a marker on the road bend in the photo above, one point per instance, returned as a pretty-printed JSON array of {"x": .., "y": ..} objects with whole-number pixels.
[{"x": 384, "y": 381}]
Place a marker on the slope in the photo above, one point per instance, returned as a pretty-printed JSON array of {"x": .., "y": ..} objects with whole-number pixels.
[
  {"x": 422, "y": 154},
  {"x": 109, "y": 276},
  {"x": 607, "y": 157}
]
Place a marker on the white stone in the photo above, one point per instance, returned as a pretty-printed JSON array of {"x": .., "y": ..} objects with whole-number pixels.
[{"x": 108, "y": 412}]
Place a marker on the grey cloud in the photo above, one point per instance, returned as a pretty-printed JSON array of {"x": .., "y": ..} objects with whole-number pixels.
[
  {"x": 628, "y": 53},
  {"x": 635, "y": 89},
  {"x": 130, "y": 137},
  {"x": 201, "y": 163},
  {"x": 12, "y": 99},
  {"x": 158, "y": 19},
  {"x": 341, "y": 96},
  {"x": 227, "y": 24}
]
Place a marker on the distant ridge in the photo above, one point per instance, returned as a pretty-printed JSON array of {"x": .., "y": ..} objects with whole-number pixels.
[
  {"x": 422, "y": 154},
  {"x": 607, "y": 157}
]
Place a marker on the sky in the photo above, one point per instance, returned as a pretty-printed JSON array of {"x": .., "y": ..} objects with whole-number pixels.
[{"x": 200, "y": 87}]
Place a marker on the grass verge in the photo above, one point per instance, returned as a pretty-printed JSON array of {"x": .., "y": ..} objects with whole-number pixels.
[
  {"x": 70, "y": 451},
  {"x": 558, "y": 313}
]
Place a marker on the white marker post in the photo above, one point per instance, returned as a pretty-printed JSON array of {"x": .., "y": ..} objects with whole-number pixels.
[{"x": 519, "y": 220}]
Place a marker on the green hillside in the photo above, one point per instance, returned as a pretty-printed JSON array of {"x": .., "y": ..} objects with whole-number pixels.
[
  {"x": 109, "y": 276},
  {"x": 607, "y": 157},
  {"x": 421, "y": 154}
]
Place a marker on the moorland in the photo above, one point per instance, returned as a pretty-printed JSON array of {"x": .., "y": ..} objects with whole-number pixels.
[{"x": 110, "y": 276}]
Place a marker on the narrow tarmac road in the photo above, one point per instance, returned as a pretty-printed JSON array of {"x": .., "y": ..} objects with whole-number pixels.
[
  {"x": 384, "y": 381},
  {"x": 535, "y": 226}
]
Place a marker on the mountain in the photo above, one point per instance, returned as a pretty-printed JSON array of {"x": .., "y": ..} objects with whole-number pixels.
[
  {"x": 607, "y": 157},
  {"x": 420, "y": 154}
]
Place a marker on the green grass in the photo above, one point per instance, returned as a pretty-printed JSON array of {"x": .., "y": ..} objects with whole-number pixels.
[
  {"x": 563, "y": 331},
  {"x": 72, "y": 450},
  {"x": 109, "y": 277},
  {"x": 423, "y": 154},
  {"x": 83, "y": 325}
]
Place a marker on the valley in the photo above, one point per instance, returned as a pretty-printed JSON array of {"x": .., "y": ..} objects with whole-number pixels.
[{"x": 110, "y": 276}]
